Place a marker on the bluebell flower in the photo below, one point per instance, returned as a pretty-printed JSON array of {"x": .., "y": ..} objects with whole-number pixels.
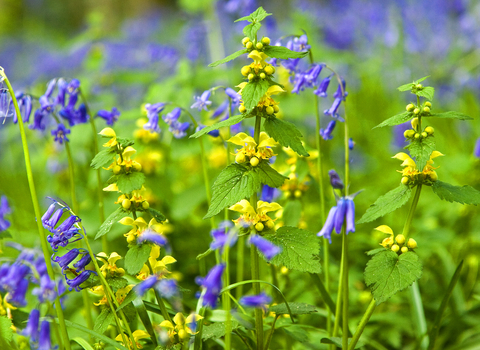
[
  {"x": 153, "y": 112},
  {"x": 335, "y": 180},
  {"x": 221, "y": 110},
  {"x": 73, "y": 86},
  {"x": 145, "y": 285},
  {"x": 60, "y": 134},
  {"x": 173, "y": 116},
  {"x": 269, "y": 194},
  {"x": 77, "y": 281},
  {"x": 50, "y": 219},
  {"x": 152, "y": 237},
  {"x": 327, "y": 228},
  {"x": 40, "y": 265},
  {"x": 24, "y": 105},
  {"x": 323, "y": 86},
  {"x": 202, "y": 102},
  {"x": 17, "y": 295},
  {"x": 44, "y": 342},
  {"x": 345, "y": 208},
  {"x": 223, "y": 235},
  {"x": 268, "y": 249},
  {"x": 476, "y": 151},
  {"x": 167, "y": 288},
  {"x": 46, "y": 291},
  {"x": 332, "y": 111},
  {"x": 32, "y": 326},
  {"x": 338, "y": 93},
  {"x": 46, "y": 103},
  {"x": 62, "y": 90},
  {"x": 67, "y": 258},
  {"x": 38, "y": 120},
  {"x": 351, "y": 144},
  {"x": 234, "y": 96},
  {"x": 16, "y": 273},
  {"x": 110, "y": 116},
  {"x": 5, "y": 110},
  {"x": 213, "y": 285},
  {"x": 256, "y": 301},
  {"x": 83, "y": 261},
  {"x": 327, "y": 133}
]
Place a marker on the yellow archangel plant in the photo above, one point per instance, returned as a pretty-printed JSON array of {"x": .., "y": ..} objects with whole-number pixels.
[{"x": 257, "y": 218}]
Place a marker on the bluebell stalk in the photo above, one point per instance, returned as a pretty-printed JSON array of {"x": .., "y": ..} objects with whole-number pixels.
[
  {"x": 202, "y": 102},
  {"x": 256, "y": 301},
  {"x": 110, "y": 116},
  {"x": 268, "y": 249},
  {"x": 327, "y": 133}
]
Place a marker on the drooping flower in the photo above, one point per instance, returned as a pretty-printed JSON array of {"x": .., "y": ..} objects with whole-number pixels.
[
  {"x": 212, "y": 283},
  {"x": 46, "y": 291},
  {"x": 345, "y": 208},
  {"x": 76, "y": 282},
  {"x": 173, "y": 116},
  {"x": 223, "y": 235},
  {"x": 256, "y": 301},
  {"x": 32, "y": 326},
  {"x": 153, "y": 112},
  {"x": 335, "y": 180},
  {"x": 202, "y": 102},
  {"x": 327, "y": 133},
  {"x": 110, "y": 116},
  {"x": 44, "y": 342},
  {"x": 322, "y": 88},
  {"x": 268, "y": 249}
]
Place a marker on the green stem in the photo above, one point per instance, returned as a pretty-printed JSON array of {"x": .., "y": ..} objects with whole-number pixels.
[
  {"x": 406, "y": 227},
  {"x": 160, "y": 302},
  {"x": 240, "y": 264},
  {"x": 362, "y": 324},
  {"x": 338, "y": 305},
  {"x": 270, "y": 335},
  {"x": 419, "y": 314},
  {"x": 36, "y": 207},
  {"x": 226, "y": 298},
  {"x": 345, "y": 290}
]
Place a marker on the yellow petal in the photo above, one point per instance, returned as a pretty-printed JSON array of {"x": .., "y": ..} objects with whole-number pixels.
[
  {"x": 266, "y": 141},
  {"x": 167, "y": 324},
  {"x": 140, "y": 222},
  {"x": 241, "y": 139},
  {"x": 273, "y": 90},
  {"x": 127, "y": 220},
  {"x": 140, "y": 334},
  {"x": 385, "y": 229},
  {"x": 107, "y": 132},
  {"x": 113, "y": 258},
  {"x": 155, "y": 252},
  {"x": 179, "y": 319},
  {"x": 435, "y": 154},
  {"x": 111, "y": 188},
  {"x": 401, "y": 156},
  {"x": 167, "y": 259},
  {"x": 128, "y": 152}
]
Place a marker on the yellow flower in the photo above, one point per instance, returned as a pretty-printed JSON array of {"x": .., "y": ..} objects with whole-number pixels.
[
  {"x": 267, "y": 99},
  {"x": 109, "y": 264},
  {"x": 137, "y": 335},
  {"x": 139, "y": 225},
  {"x": 109, "y": 132},
  {"x": 250, "y": 148},
  {"x": 111, "y": 188},
  {"x": 181, "y": 326},
  {"x": 158, "y": 267},
  {"x": 410, "y": 171},
  {"x": 251, "y": 217}
]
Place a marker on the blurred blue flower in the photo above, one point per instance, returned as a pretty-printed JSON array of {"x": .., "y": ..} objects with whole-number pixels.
[
  {"x": 256, "y": 301},
  {"x": 167, "y": 288},
  {"x": 202, "y": 102},
  {"x": 214, "y": 133},
  {"x": 327, "y": 133},
  {"x": 268, "y": 249},
  {"x": 46, "y": 291},
  {"x": 153, "y": 112},
  {"x": 152, "y": 237},
  {"x": 44, "y": 342},
  {"x": 110, "y": 116},
  {"x": 213, "y": 285},
  {"x": 322, "y": 88},
  {"x": 179, "y": 130},
  {"x": 32, "y": 326},
  {"x": 173, "y": 116},
  {"x": 60, "y": 134},
  {"x": 145, "y": 285},
  {"x": 335, "y": 180},
  {"x": 4, "y": 210},
  {"x": 222, "y": 235},
  {"x": 269, "y": 194},
  {"x": 476, "y": 151},
  {"x": 351, "y": 144}
]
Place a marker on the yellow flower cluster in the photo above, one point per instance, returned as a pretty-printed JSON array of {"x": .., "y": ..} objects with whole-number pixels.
[
  {"x": 137, "y": 335},
  {"x": 251, "y": 152},
  {"x": 139, "y": 225},
  {"x": 159, "y": 267},
  {"x": 181, "y": 326},
  {"x": 257, "y": 218},
  {"x": 396, "y": 243},
  {"x": 411, "y": 173}
]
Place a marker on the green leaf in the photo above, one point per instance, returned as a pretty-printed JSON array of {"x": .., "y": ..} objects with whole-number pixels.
[
  {"x": 230, "y": 121},
  {"x": 125, "y": 142},
  {"x": 296, "y": 333},
  {"x": 406, "y": 87},
  {"x": 396, "y": 119},
  {"x": 143, "y": 315},
  {"x": 5, "y": 234},
  {"x": 251, "y": 30},
  {"x": 103, "y": 320},
  {"x": 253, "y": 92},
  {"x": 450, "y": 115},
  {"x": 421, "y": 149},
  {"x": 117, "y": 282},
  {"x": 428, "y": 92},
  {"x": 136, "y": 258},
  {"x": 130, "y": 182},
  {"x": 6, "y": 333},
  {"x": 216, "y": 330},
  {"x": 258, "y": 15},
  {"x": 228, "y": 58},
  {"x": 286, "y": 134},
  {"x": 83, "y": 343},
  {"x": 387, "y": 203},
  {"x": 108, "y": 223},
  {"x": 388, "y": 273},
  {"x": 282, "y": 52},
  {"x": 269, "y": 176},
  {"x": 338, "y": 342},
  {"x": 234, "y": 183},
  {"x": 300, "y": 249},
  {"x": 421, "y": 79},
  {"x": 131, "y": 296},
  {"x": 102, "y": 159},
  {"x": 297, "y": 309},
  {"x": 292, "y": 212},
  {"x": 374, "y": 251},
  {"x": 157, "y": 215},
  {"x": 460, "y": 194}
]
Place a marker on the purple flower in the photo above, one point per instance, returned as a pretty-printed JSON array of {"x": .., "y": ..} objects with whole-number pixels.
[
  {"x": 110, "y": 116},
  {"x": 17, "y": 296},
  {"x": 202, "y": 102},
  {"x": 44, "y": 343},
  {"x": 38, "y": 123},
  {"x": 145, "y": 285},
  {"x": 49, "y": 221},
  {"x": 327, "y": 133},
  {"x": 223, "y": 235},
  {"x": 256, "y": 301},
  {"x": 336, "y": 217},
  {"x": 327, "y": 229},
  {"x": 269, "y": 194},
  {"x": 476, "y": 151},
  {"x": 235, "y": 96},
  {"x": 77, "y": 281},
  {"x": 62, "y": 90},
  {"x": 350, "y": 216},
  {"x": 153, "y": 112},
  {"x": 213, "y": 285},
  {"x": 268, "y": 249},
  {"x": 61, "y": 133},
  {"x": 173, "y": 116},
  {"x": 351, "y": 144},
  {"x": 214, "y": 133},
  {"x": 335, "y": 180},
  {"x": 152, "y": 237},
  {"x": 73, "y": 86},
  {"x": 322, "y": 88},
  {"x": 66, "y": 259},
  {"x": 46, "y": 291},
  {"x": 338, "y": 93},
  {"x": 221, "y": 110},
  {"x": 4, "y": 209},
  {"x": 83, "y": 262},
  {"x": 16, "y": 273},
  {"x": 32, "y": 326},
  {"x": 332, "y": 111},
  {"x": 167, "y": 288}
]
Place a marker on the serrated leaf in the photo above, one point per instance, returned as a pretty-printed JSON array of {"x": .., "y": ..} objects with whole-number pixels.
[
  {"x": 300, "y": 249},
  {"x": 102, "y": 159},
  {"x": 282, "y": 52},
  {"x": 388, "y": 273},
  {"x": 421, "y": 149},
  {"x": 374, "y": 251},
  {"x": 108, "y": 223},
  {"x": 406, "y": 87},
  {"x": 131, "y": 296},
  {"x": 228, "y": 58},
  {"x": 136, "y": 258},
  {"x": 259, "y": 14},
  {"x": 450, "y": 115},
  {"x": 421, "y": 79},
  {"x": 396, "y": 119},
  {"x": 251, "y": 30},
  {"x": 234, "y": 183},
  {"x": 125, "y": 142},
  {"x": 253, "y": 92},
  {"x": 103, "y": 320},
  {"x": 292, "y": 212},
  {"x": 387, "y": 203},
  {"x": 230, "y": 121},
  {"x": 117, "y": 282},
  {"x": 157, "y": 215},
  {"x": 286, "y": 134},
  {"x": 6, "y": 333},
  {"x": 428, "y": 92},
  {"x": 216, "y": 330},
  {"x": 297, "y": 309},
  {"x": 269, "y": 176},
  {"x": 130, "y": 182},
  {"x": 460, "y": 194}
]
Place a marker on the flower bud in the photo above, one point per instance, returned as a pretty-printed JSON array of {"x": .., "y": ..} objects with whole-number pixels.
[
  {"x": 412, "y": 244},
  {"x": 269, "y": 110},
  {"x": 145, "y": 205},
  {"x": 259, "y": 226},
  {"x": 126, "y": 204},
  {"x": 409, "y": 134},
  {"x": 117, "y": 169},
  {"x": 428, "y": 104},
  {"x": 276, "y": 108},
  {"x": 424, "y": 134},
  {"x": 416, "y": 111},
  {"x": 251, "y": 76},
  {"x": 245, "y": 40},
  {"x": 262, "y": 76},
  {"x": 404, "y": 250},
  {"x": 426, "y": 109},
  {"x": 259, "y": 46},
  {"x": 266, "y": 40},
  {"x": 254, "y": 161},
  {"x": 417, "y": 136},
  {"x": 433, "y": 176},
  {"x": 429, "y": 130},
  {"x": 400, "y": 239},
  {"x": 405, "y": 180},
  {"x": 137, "y": 166},
  {"x": 395, "y": 248},
  {"x": 107, "y": 132},
  {"x": 242, "y": 109},
  {"x": 284, "y": 270},
  {"x": 410, "y": 107},
  {"x": 270, "y": 224},
  {"x": 245, "y": 70},
  {"x": 414, "y": 123},
  {"x": 249, "y": 45},
  {"x": 419, "y": 86},
  {"x": 297, "y": 194},
  {"x": 269, "y": 70},
  {"x": 240, "y": 158}
]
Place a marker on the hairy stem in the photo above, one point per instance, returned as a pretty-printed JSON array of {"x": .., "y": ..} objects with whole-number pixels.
[{"x": 362, "y": 324}]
